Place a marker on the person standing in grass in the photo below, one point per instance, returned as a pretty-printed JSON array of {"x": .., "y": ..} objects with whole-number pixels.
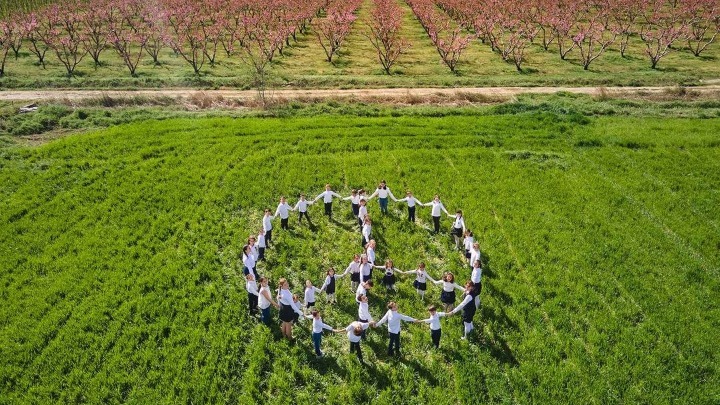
[
  {"x": 327, "y": 197},
  {"x": 370, "y": 252},
  {"x": 468, "y": 242},
  {"x": 354, "y": 199},
  {"x": 253, "y": 247},
  {"x": 310, "y": 291},
  {"x": 364, "y": 311},
  {"x": 363, "y": 289},
  {"x": 248, "y": 262},
  {"x": 447, "y": 297},
  {"x": 383, "y": 192},
  {"x": 366, "y": 231},
  {"x": 283, "y": 209},
  {"x": 288, "y": 308},
  {"x": 253, "y": 295},
  {"x": 267, "y": 226},
  {"x": 458, "y": 227},
  {"x": 437, "y": 209},
  {"x": 474, "y": 253},
  {"x": 301, "y": 208},
  {"x": 265, "y": 300},
  {"x": 365, "y": 268},
  {"x": 362, "y": 212},
  {"x": 412, "y": 202},
  {"x": 434, "y": 322},
  {"x": 261, "y": 245},
  {"x": 389, "y": 277},
  {"x": 354, "y": 269},
  {"x": 468, "y": 310},
  {"x": 354, "y": 333},
  {"x": 476, "y": 278},
  {"x": 393, "y": 319},
  {"x": 330, "y": 284},
  {"x": 317, "y": 330},
  {"x": 421, "y": 277}
]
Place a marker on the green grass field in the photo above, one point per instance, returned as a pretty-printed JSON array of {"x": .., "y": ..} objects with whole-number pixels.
[
  {"x": 304, "y": 66},
  {"x": 119, "y": 256}
]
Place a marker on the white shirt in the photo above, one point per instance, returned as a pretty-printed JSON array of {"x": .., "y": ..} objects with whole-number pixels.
[
  {"x": 393, "y": 319},
  {"x": 468, "y": 243},
  {"x": 302, "y": 205},
  {"x": 411, "y": 201},
  {"x": 365, "y": 270},
  {"x": 327, "y": 280},
  {"x": 467, "y": 300},
  {"x": 389, "y": 271},
  {"x": 474, "y": 255},
  {"x": 284, "y": 210},
  {"x": 459, "y": 222},
  {"x": 310, "y": 293},
  {"x": 267, "y": 223},
  {"x": 420, "y": 276},
  {"x": 318, "y": 324},
  {"x": 448, "y": 286},
  {"x": 355, "y": 199},
  {"x": 249, "y": 261},
  {"x": 362, "y": 211},
  {"x": 366, "y": 229},
  {"x": 437, "y": 206},
  {"x": 353, "y": 267},
  {"x": 251, "y": 287},
  {"x": 361, "y": 290},
  {"x": 286, "y": 298},
  {"x": 364, "y": 312},
  {"x": 382, "y": 193},
  {"x": 254, "y": 252},
  {"x": 476, "y": 275},
  {"x": 371, "y": 255},
  {"x": 351, "y": 331},
  {"x": 261, "y": 241},
  {"x": 327, "y": 196},
  {"x": 434, "y": 320},
  {"x": 263, "y": 302}
]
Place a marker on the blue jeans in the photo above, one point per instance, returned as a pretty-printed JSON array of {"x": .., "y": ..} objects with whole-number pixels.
[
  {"x": 265, "y": 316},
  {"x": 383, "y": 205},
  {"x": 317, "y": 339}
]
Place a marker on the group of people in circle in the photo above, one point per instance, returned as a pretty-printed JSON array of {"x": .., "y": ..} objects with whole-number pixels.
[{"x": 360, "y": 270}]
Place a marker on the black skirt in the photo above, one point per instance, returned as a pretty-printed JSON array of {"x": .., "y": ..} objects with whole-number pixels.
[
  {"x": 355, "y": 277},
  {"x": 447, "y": 297},
  {"x": 388, "y": 279},
  {"x": 469, "y": 312},
  {"x": 286, "y": 313},
  {"x": 467, "y": 254},
  {"x": 419, "y": 286},
  {"x": 457, "y": 231}
]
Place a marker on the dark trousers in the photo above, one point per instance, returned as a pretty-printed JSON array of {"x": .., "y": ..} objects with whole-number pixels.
[
  {"x": 284, "y": 223},
  {"x": 261, "y": 253},
  {"x": 383, "y": 205},
  {"x": 356, "y": 209},
  {"x": 411, "y": 214},
  {"x": 328, "y": 209},
  {"x": 268, "y": 237},
  {"x": 265, "y": 316},
  {"x": 363, "y": 241},
  {"x": 252, "y": 303},
  {"x": 360, "y": 223},
  {"x": 301, "y": 215},
  {"x": 435, "y": 336},
  {"x": 317, "y": 339},
  {"x": 436, "y": 223},
  {"x": 394, "y": 346},
  {"x": 355, "y": 347}
]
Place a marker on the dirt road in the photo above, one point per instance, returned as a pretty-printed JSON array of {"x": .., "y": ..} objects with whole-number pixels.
[{"x": 490, "y": 92}]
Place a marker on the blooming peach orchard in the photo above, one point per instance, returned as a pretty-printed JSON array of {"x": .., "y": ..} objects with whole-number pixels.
[{"x": 257, "y": 31}]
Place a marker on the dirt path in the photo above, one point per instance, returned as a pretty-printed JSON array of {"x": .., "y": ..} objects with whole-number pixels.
[{"x": 490, "y": 92}]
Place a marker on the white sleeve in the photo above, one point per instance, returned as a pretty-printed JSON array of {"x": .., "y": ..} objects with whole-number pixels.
[
  {"x": 468, "y": 298},
  {"x": 297, "y": 310},
  {"x": 373, "y": 194},
  {"x": 336, "y": 194},
  {"x": 441, "y": 314},
  {"x": 319, "y": 197},
  {"x": 457, "y": 287},
  {"x": 250, "y": 290},
  {"x": 384, "y": 318},
  {"x": 391, "y": 195},
  {"x": 326, "y": 326},
  {"x": 429, "y": 320},
  {"x": 325, "y": 284},
  {"x": 407, "y": 318},
  {"x": 277, "y": 211},
  {"x": 443, "y": 208},
  {"x": 296, "y": 206}
]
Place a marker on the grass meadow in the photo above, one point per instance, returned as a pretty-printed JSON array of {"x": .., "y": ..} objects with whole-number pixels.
[
  {"x": 303, "y": 65},
  {"x": 120, "y": 249}
]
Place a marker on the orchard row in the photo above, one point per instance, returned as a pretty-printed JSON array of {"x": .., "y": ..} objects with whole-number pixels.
[{"x": 256, "y": 32}]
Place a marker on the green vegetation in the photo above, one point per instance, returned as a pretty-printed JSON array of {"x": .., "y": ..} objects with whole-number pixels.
[{"x": 119, "y": 251}]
